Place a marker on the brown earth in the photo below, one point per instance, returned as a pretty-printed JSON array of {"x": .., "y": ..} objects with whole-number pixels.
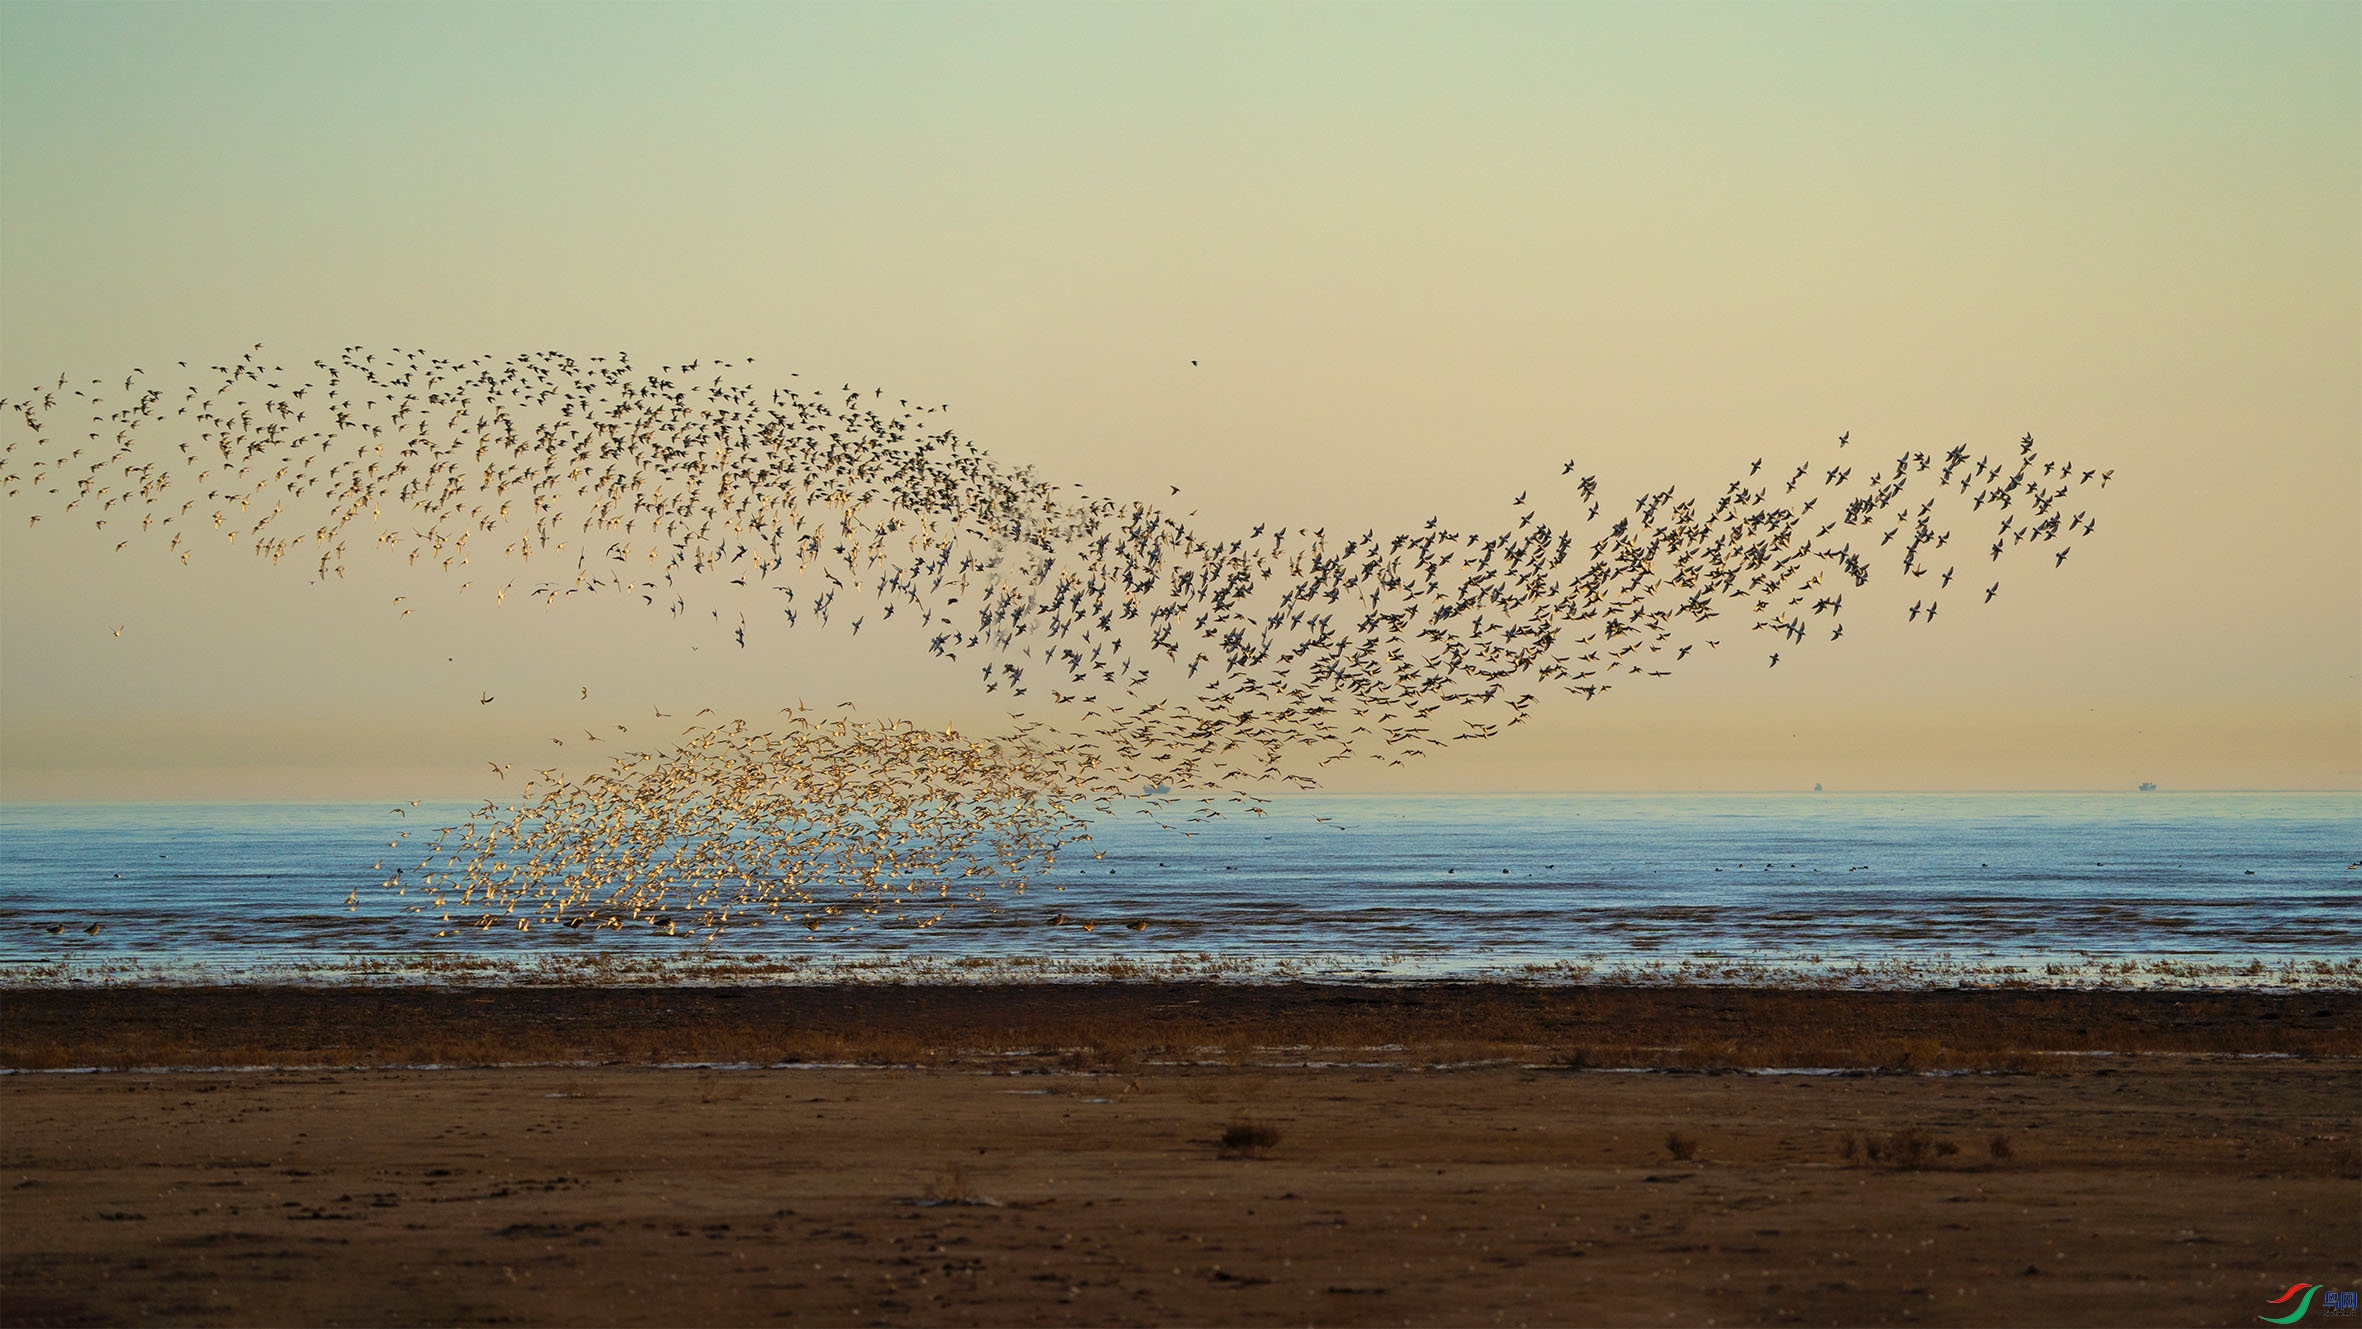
[{"x": 1088, "y": 1183}]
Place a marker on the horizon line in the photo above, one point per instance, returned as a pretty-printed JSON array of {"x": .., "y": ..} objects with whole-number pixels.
[{"x": 1282, "y": 795}]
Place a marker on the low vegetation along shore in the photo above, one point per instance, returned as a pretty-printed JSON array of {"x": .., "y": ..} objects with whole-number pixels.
[
  {"x": 1080, "y": 1026},
  {"x": 1173, "y": 1154}
]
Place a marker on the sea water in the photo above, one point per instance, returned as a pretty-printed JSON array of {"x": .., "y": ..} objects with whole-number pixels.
[{"x": 2248, "y": 889}]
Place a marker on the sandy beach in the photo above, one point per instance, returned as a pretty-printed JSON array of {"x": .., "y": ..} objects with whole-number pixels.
[{"x": 1005, "y": 1181}]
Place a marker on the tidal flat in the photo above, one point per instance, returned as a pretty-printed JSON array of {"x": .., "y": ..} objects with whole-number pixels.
[{"x": 1185, "y": 1154}]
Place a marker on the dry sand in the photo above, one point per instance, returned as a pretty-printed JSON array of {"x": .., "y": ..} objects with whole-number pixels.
[{"x": 1091, "y": 1187}]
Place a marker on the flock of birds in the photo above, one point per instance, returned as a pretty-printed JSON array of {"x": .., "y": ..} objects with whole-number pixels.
[
  {"x": 1214, "y": 665},
  {"x": 827, "y": 823}
]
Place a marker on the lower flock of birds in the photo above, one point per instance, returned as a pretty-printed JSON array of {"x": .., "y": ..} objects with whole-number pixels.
[{"x": 1203, "y": 667}]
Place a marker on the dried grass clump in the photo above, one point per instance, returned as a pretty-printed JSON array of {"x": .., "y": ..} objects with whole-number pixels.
[
  {"x": 1682, "y": 1147},
  {"x": 1909, "y": 1149},
  {"x": 952, "y": 1188}
]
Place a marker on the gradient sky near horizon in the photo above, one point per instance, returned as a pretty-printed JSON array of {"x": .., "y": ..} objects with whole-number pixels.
[{"x": 1421, "y": 255}]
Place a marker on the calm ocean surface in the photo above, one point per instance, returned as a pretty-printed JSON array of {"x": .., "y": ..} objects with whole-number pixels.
[{"x": 1887, "y": 890}]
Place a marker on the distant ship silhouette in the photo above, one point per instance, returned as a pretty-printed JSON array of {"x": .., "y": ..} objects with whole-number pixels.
[{"x": 2148, "y": 788}]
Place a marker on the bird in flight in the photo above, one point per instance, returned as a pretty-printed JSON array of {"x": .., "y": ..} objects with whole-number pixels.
[{"x": 1198, "y": 659}]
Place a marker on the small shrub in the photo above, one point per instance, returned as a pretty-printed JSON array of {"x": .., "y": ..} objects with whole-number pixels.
[
  {"x": 2000, "y": 1148},
  {"x": 1249, "y": 1137},
  {"x": 1682, "y": 1147},
  {"x": 1909, "y": 1148}
]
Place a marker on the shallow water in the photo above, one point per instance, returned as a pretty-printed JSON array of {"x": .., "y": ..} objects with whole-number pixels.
[{"x": 2232, "y": 889}]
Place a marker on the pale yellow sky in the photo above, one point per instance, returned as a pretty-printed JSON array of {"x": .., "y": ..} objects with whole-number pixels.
[{"x": 1422, "y": 255}]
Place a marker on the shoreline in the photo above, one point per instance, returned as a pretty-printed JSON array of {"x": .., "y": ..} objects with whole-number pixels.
[{"x": 1898, "y": 972}]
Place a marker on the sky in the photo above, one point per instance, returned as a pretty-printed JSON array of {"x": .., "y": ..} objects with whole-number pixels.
[{"x": 1354, "y": 265}]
